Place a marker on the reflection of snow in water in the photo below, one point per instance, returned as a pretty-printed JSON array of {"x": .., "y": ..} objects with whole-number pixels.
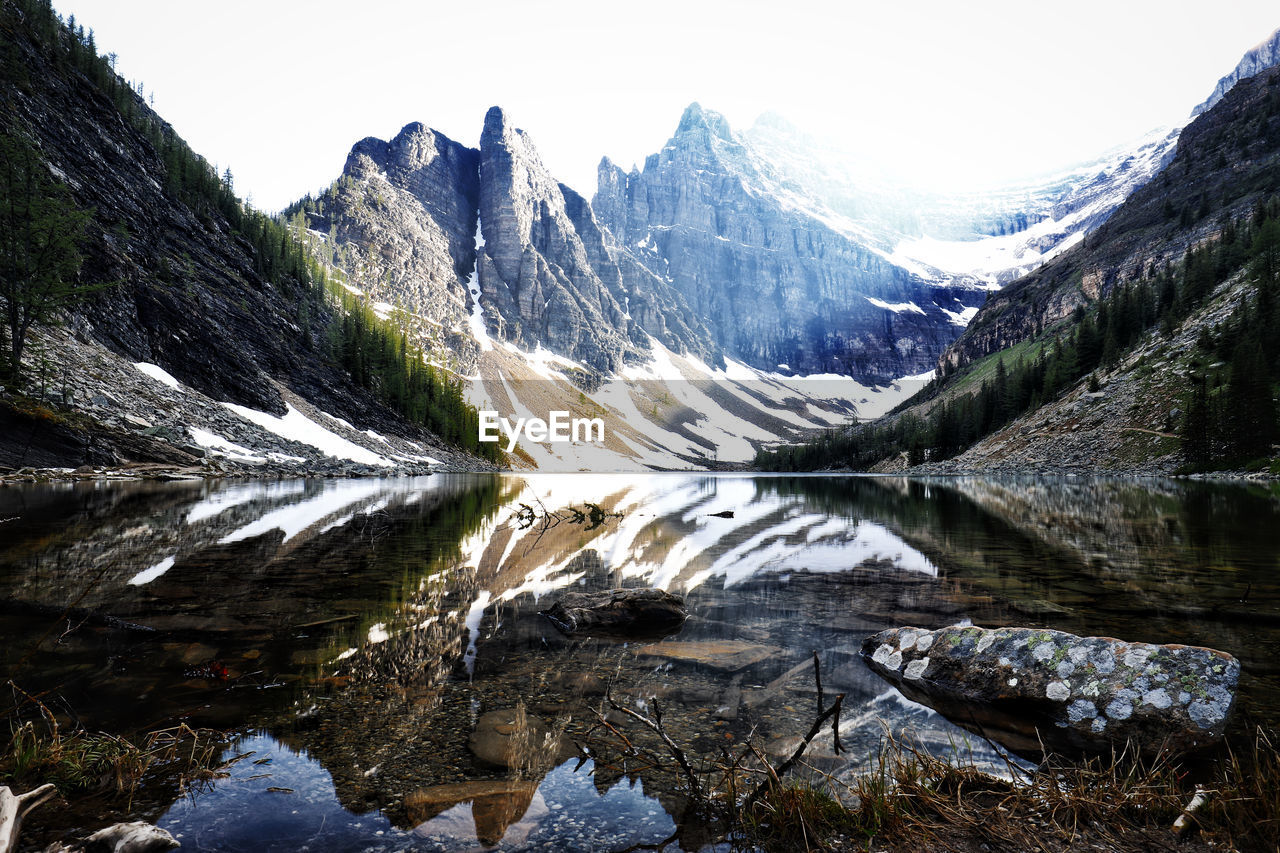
[
  {"x": 221, "y": 500},
  {"x": 148, "y": 575},
  {"x": 670, "y": 537},
  {"x": 295, "y": 518},
  {"x": 474, "y": 615},
  {"x": 335, "y": 496}
]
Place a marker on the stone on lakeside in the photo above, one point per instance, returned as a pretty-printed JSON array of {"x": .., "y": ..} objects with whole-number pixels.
[{"x": 1028, "y": 687}]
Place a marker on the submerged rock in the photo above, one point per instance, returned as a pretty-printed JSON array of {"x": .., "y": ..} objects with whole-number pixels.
[
  {"x": 619, "y": 612},
  {"x": 511, "y": 739},
  {"x": 1036, "y": 690},
  {"x": 724, "y": 655}
]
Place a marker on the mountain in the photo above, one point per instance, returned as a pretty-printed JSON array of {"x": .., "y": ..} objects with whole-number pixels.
[
  {"x": 1181, "y": 208},
  {"x": 864, "y": 278},
  {"x": 983, "y": 237},
  {"x": 1224, "y": 161},
  {"x": 512, "y": 279},
  {"x": 1265, "y": 55},
  {"x": 1151, "y": 347},
  {"x": 733, "y": 236},
  {"x": 472, "y": 246},
  {"x": 207, "y": 347}
]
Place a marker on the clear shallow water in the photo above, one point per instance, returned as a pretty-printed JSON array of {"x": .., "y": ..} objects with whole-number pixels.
[
  {"x": 358, "y": 632},
  {"x": 563, "y": 811}
]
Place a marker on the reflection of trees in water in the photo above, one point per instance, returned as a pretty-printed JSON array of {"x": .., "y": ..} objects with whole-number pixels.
[
  {"x": 374, "y": 612},
  {"x": 223, "y": 618}
]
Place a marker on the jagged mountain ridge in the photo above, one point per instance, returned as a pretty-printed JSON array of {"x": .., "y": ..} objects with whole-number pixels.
[
  {"x": 718, "y": 225},
  {"x": 777, "y": 278},
  {"x": 473, "y": 243}
]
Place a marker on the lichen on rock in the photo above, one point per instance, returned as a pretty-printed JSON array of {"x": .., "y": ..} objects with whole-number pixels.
[{"x": 1038, "y": 690}]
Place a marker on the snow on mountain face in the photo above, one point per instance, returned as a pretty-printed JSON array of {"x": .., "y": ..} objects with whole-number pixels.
[
  {"x": 778, "y": 275},
  {"x": 673, "y": 411},
  {"x": 982, "y": 238},
  {"x": 1265, "y": 55}
]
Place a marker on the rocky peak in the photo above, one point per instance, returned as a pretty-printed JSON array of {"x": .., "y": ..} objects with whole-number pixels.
[
  {"x": 698, "y": 120},
  {"x": 713, "y": 218},
  {"x": 544, "y": 283},
  {"x": 702, "y": 139},
  {"x": 1263, "y": 56}
]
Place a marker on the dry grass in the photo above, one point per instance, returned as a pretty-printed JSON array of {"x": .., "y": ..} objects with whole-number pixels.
[
  {"x": 84, "y": 762},
  {"x": 912, "y": 800}
]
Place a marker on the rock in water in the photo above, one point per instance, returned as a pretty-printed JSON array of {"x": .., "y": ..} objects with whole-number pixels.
[
  {"x": 1026, "y": 687},
  {"x": 619, "y": 612},
  {"x": 511, "y": 739}
]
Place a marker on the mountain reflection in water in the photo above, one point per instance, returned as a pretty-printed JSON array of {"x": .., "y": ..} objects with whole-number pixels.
[{"x": 364, "y": 634}]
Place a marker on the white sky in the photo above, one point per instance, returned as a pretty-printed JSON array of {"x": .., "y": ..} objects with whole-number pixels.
[{"x": 949, "y": 92}]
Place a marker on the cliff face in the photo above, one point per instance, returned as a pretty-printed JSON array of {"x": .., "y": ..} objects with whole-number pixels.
[
  {"x": 777, "y": 279},
  {"x": 535, "y": 273}
]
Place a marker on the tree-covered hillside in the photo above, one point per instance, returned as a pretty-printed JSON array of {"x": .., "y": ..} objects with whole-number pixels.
[
  {"x": 1203, "y": 272},
  {"x": 186, "y": 274}
]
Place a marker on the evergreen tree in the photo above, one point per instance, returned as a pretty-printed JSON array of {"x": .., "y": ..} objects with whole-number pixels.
[
  {"x": 1196, "y": 437},
  {"x": 40, "y": 232},
  {"x": 1250, "y": 408}
]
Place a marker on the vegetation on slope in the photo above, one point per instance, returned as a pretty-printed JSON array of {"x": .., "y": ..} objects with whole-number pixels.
[
  {"x": 373, "y": 352},
  {"x": 1231, "y": 415}
]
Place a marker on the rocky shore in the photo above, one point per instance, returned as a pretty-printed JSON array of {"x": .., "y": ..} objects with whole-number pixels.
[{"x": 91, "y": 414}]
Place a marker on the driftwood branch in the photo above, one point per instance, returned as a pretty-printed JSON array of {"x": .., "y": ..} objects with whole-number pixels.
[
  {"x": 655, "y": 726},
  {"x": 832, "y": 713},
  {"x": 1183, "y": 823},
  {"x": 15, "y": 807}
]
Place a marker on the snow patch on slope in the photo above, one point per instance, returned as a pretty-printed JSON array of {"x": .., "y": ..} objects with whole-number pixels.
[
  {"x": 296, "y": 426},
  {"x": 157, "y": 373}
]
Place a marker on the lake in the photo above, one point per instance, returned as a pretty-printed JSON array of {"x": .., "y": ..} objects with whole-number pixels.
[{"x": 373, "y": 648}]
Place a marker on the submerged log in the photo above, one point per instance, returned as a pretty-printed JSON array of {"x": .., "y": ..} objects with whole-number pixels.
[
  {"x": 1038, "y": 691},
  {"x": 645, "y": 612},
  {"x": 133, "y": 837}
]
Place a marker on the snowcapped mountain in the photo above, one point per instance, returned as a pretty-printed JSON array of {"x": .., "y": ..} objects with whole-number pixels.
[{"x": 984, "y": 238}]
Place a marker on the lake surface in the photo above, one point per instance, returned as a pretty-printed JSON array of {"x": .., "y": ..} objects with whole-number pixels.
[{"x": 366, "y": 643}]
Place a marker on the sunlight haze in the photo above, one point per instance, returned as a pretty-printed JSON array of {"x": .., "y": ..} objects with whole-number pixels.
[{"x": 941, "y": 94}]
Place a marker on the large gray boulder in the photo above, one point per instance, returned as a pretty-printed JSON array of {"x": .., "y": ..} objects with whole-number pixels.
[
  {"x": 619, "y": 612},
  {"x": 1036, "y": 690}
]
